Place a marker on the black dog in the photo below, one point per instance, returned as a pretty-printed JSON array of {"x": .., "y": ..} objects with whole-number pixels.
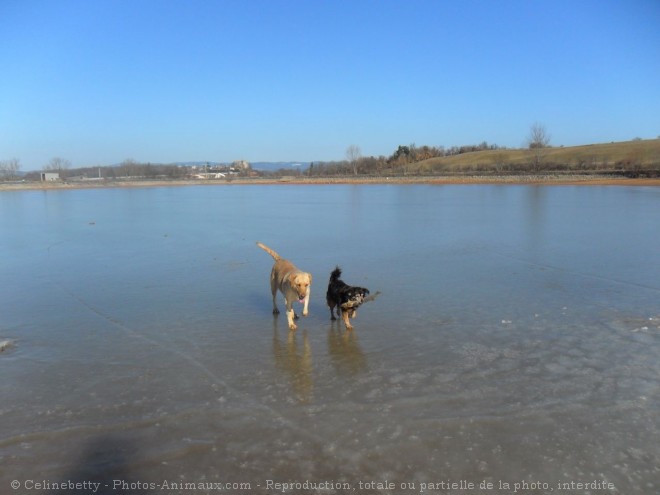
[{"x": 346, "y": 298}]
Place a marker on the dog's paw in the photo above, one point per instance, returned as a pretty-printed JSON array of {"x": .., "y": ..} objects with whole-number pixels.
[
  {"x": 293, "y": 326},
  {"x": 305, "y": 313}
]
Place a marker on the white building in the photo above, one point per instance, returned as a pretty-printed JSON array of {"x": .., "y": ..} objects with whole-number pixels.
[{"x": 50, "y": 176}]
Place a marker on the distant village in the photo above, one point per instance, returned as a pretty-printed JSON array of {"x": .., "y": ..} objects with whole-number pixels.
[{"x": 237, "y": 168}]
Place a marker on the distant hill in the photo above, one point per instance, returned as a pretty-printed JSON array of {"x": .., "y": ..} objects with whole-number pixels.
[{"x": 637, "y": 155}]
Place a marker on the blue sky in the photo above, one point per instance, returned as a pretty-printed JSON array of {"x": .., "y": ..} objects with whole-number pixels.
[{"x": 100, "y": 81}]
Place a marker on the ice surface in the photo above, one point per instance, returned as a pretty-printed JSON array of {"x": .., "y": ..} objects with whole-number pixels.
[{"x": 515, "y": 338}]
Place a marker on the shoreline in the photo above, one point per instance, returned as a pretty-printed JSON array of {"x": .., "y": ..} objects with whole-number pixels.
[{"x": 550, "y": 179}]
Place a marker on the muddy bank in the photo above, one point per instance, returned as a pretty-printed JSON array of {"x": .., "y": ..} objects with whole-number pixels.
[{"x": 550, "y": 179}]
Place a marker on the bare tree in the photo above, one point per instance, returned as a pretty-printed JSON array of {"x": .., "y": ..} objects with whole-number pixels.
[
  {"x": 130, "y": 168},
  {"x": 58, "y": 164},
  {"x": 538, "y": 141},
  {"x": 9, "y": 168},
  {"x": 353, "y": 155},
  {"x": 538, "y": 136}
]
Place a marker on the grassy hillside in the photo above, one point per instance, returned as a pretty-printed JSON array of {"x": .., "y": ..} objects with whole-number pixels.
[{"x": 639, "y": 157}]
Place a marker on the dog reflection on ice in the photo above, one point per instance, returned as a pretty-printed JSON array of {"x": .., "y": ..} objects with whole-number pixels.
[{"x": 295, "y": 361}]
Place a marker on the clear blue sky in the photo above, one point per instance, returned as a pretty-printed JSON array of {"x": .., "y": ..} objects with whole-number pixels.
[{"x": 100, "y": 81}]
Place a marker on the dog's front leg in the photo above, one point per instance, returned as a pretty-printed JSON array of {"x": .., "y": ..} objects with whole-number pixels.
[
  {"x": 344, "y": 316},
  {"x": 306, "y": 304},
  {"x": 290, "y": 315}
]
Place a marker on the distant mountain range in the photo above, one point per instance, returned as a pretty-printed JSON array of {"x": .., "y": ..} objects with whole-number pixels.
[{"x": 271, "y": 166}]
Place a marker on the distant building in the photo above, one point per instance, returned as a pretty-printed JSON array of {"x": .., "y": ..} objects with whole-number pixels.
[
  {"x": 50, "y": 176},
  {"x": 210, "y": 175}
]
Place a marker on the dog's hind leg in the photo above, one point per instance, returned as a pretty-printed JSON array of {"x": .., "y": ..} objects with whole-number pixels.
[
  {"x": 331, "y": 305},
  {"x": 273, "y": 289}
]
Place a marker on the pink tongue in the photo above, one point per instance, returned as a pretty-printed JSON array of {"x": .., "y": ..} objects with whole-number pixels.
[{"x": 302, "y": 299}]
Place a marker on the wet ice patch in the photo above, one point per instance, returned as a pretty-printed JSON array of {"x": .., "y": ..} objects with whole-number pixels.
[
  {"x": 474, "y": 355},
  {"x": 639, "y": 324},
  {"x": 644, "y": 327},
  {"x": 6, "y": 344}
]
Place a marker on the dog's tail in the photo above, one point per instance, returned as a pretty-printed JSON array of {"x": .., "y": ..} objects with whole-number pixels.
[
  {"x": 275, "y": 256},
  {"x": 334, "y": 276}
]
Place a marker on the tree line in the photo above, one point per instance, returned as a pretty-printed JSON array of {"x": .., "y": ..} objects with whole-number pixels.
[
  {"x": 128, "y": 169},
  {"x": 132, "y": 169},
  {"x": 355, "y": 164},
  {"x": 397, "y": 162}
]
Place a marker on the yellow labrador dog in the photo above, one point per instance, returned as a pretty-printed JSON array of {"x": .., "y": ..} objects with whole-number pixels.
[{"x": 293, "y": 283}]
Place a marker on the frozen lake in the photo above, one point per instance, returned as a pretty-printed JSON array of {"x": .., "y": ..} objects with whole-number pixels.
[{"x": 516, "y": 340}]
